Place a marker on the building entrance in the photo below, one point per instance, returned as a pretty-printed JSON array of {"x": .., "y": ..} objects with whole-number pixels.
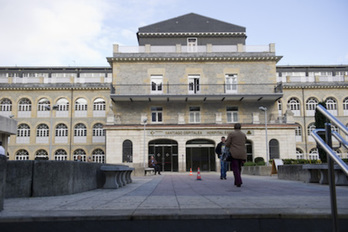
[
  {"x": 200, "y": 153},
  {"x": 165, "y": 152}
]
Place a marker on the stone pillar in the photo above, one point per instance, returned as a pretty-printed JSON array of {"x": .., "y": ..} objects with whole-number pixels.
[
  {"x": 115, "y": 48},
  {"x": 209, "y": 47},
  {"x": 272, "y": 47},
  {"x": 3, "y": 165},
  {"x": 240, "y": 48},
  {"x": 218, "y": 118},
  {"x": 178, "y": 48},
  {"x": 147, "y": 48},
  {"x": 256, "y": 118}
]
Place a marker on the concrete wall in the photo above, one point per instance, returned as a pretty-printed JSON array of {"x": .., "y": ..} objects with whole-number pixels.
[
  {"x": 292, "y": 172},
  {"x": 3, "y": 161},
  {"x": 51, "y": 178}
]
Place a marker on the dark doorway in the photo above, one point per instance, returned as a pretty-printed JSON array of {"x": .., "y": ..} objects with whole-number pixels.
[
  {"x": 200, "y": 154},
  {"x": 165, "y": 152}
]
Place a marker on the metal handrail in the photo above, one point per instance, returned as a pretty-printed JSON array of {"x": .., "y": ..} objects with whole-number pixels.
[
  {"x": 332, "y": 118},
  {"x": 332, "y": 154}
]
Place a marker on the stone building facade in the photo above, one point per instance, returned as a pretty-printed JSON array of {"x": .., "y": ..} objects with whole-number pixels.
[{"x": 173, "y": 96}]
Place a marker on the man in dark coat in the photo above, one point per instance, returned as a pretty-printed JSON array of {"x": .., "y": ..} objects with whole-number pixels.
[
  {"x": 220, "y": 150},
  {"x": 236, "y": 142}
]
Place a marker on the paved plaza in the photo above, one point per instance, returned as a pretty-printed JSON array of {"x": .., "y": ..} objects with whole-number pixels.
[{"x": 181, "y": 196}]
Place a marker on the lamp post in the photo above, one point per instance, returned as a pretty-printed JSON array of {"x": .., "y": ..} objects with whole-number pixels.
[
  {"x": 264, "y": 109},
  {"x": 54, "y": 107},
  {"x": 144, "y": 121}
]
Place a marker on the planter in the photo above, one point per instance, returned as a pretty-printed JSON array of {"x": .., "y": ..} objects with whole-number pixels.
[{"x": 257, "y": 170}]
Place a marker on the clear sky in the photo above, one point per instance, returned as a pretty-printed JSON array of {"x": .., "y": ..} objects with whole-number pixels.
[{"x": 81, "y": 32}]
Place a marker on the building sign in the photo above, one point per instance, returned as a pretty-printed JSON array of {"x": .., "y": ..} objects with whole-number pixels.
[{"x": 170, "y": 133}]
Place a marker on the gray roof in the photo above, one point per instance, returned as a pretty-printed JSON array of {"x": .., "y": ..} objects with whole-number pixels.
[{"x": 191, "y": 23}]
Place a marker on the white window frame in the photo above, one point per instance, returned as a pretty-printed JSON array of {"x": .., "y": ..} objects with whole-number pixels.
[
  {"x": 60, "y": 155},
  {"x": 232, "y": 114},
  {"x": 156, "y": 84},
  {"x": 192, "y": 44},
  {"x": 156, "y": 114},
  {"x": 194, "y": 84},
  {"x": 98, "y": 156},
  {"x": 195, "y": 114},
  {"x": 331, "y": 105},
  {"x": 345, "y": 106},
  {"x": 98, "y": 133},
  {"x": 294, "y": 105},
  {"x": 231, "y": 81},
  {"x": 311, "y": 105}
]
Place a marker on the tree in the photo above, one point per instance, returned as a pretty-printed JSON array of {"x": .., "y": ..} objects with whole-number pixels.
[{"x": 320, "y": 121}]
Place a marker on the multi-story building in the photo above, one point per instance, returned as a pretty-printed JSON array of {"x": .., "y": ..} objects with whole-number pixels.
[
  {"x": 60, "y": 111},
  {"x": 173, "y": 96}
]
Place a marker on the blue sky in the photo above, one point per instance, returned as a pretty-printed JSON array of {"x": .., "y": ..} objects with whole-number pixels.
[{"x": 81, "y": 32}]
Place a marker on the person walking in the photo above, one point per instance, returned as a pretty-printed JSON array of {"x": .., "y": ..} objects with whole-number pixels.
[
  {"x": 220, "y": 151},
  {"x": 153, "y": 164},
  {"x": 236, "y": 143}
]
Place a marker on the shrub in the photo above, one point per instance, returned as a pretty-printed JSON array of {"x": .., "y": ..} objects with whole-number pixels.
[
  {"x": 259, "y": 159},
  {"x": 249, "y": 164}
]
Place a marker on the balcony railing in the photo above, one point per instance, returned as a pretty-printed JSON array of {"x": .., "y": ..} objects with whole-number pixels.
[
  {"x": 200, "y": 49},
  {"x": 188, "y": 89}
]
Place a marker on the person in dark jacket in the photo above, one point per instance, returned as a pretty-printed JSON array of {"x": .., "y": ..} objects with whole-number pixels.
[
  {"x": 220, "y": 150},
  {"x": 236, "y": 142}
]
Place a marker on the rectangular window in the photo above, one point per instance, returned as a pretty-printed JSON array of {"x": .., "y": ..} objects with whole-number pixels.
[
  {"x": 156, "y": 114},
  {"x": 232, "y": 114},
  {"x": 231, "y": 83},
  {"x": 156, "y": 84},
  {"x": 193, "y": 81},
  {"x": 191, "y": 44},
  {"x": 195, "y": 114}
]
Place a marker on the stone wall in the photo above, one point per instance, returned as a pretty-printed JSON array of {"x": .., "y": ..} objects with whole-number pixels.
[{"x": 51, "y": 178}]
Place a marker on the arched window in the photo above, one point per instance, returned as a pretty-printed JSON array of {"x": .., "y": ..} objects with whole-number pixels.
[
  {"x": 81, "y": 107},
  {"x": 24, "y": 105},
  {"x": 80, "y": 130},
  {"x": 298, "y": 133},
  {"x": 80, "y": 152},
  {"x": 313, "y": 154},
  {"x": 299, "y": 153},
  {"x": 23, "y": 130},
  {"x": 23, "y": 134},
  {"x": 99, "y": 107},
  {"x": 60, "y": 154},
  {"x": 274, "y": 149},
  {"x": 61, "y": 133},
  {"x": 43, "y": 105},
  {"x": 311, "y": 105},
  {"x": 345, "y": 106},
  {"x": 331, "y": 105},
  {"x": 127, "y": 151},
  {"x": 61, "y": 130},
  {"x": 41, "y": 154},
  {"x": 5, "y": 107},
  {"x": 42, "y": 131},
  {"x": 98, "y": 133},
  {"x": 311, "y": 127},
  {"x": 24, "y": 108},
  {"x": 98, "y": 156},
  {"x": 22, "y": 155},
  {"x": 80, "y": 133},
  {"x": 294, "y": 105},
  {"x": 63, "y": 108}
]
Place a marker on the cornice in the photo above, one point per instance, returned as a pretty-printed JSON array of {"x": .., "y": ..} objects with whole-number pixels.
[
  {"x": 17, "y": 87},
  {"x": 181, "y": 34},
  {"x": 195, "y": 59},
  {"x": 322, "y": 86}
]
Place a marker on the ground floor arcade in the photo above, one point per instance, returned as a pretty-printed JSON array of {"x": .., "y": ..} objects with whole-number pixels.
[{"x": 181, "y": 148}]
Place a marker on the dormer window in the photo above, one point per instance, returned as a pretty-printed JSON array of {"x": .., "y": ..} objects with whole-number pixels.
[{"x": 191, "y": 44}]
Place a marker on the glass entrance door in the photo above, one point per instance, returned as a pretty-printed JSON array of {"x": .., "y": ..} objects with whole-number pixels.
[
  {"x": 200, "y": 154},
  {"x": 166, "y": 154}
]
